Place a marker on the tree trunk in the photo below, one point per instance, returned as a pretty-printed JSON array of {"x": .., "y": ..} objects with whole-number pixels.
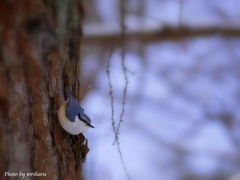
[{"x": 39, "y": 56}]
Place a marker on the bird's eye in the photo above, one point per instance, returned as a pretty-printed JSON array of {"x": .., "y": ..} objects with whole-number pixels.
[{"x": 82, "y": 118}]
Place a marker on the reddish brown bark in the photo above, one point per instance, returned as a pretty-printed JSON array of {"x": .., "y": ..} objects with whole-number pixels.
[{"x": 39, "y": 56}]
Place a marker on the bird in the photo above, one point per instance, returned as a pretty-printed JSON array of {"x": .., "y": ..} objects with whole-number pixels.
[{"x": 71, "y": 116}]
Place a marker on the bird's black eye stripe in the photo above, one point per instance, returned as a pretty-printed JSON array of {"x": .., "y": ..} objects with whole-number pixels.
[{"x": 79, "y": 116}]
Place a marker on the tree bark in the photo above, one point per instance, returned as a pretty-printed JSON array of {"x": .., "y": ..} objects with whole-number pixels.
[{"x": 39, "y": 56}]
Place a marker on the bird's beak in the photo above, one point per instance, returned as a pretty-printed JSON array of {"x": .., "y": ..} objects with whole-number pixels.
[{"x": 91, "y": 126}]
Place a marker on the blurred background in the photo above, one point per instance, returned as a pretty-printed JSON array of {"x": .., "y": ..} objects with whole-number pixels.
[{"x": 179, "y": 62}]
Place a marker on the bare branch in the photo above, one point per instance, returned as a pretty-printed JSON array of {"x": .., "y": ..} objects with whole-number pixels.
[{"x": 152, "y": 35}]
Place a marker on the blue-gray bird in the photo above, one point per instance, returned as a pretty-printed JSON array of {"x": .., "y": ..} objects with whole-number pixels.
[{"x": 71, "y": 116}]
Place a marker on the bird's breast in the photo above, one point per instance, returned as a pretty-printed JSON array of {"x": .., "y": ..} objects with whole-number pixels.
[{"x": 73, "y": 128}]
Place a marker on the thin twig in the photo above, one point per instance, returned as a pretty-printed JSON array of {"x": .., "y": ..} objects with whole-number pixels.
[
  {"x": 112, "y": 118},
  {"x": 123, "y": 32},
  {"x": 111, "y": 93},
  {"x": 181, "y": 23},
  {"x": 143, "y": 15},
  {"x": 180, "y": 14}
]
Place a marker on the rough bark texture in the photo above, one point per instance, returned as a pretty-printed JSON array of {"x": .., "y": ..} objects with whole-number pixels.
[{"x": 39, "y": 56}]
